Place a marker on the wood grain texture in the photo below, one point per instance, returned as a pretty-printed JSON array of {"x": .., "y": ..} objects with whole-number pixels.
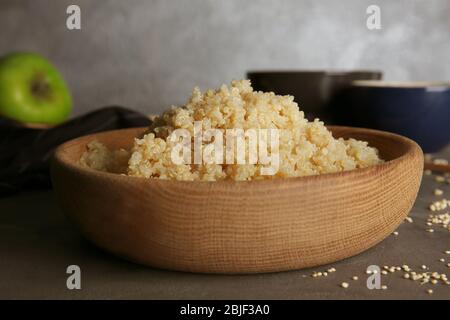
[{"x": 240, "y": 227}]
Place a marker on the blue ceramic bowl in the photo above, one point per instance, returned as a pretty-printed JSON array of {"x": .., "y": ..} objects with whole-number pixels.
[{"x": 418, "y": 110}]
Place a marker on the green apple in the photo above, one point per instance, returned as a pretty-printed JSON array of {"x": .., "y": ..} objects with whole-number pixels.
[{"x": 32, "y": 90}]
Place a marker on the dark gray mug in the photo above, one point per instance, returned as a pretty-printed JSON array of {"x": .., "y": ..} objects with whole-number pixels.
[{"x": 312, "y": 90}]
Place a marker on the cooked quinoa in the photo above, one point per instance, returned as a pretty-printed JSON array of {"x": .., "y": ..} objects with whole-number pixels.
[
  {"x": 305, "y": 147},
  {"x": 100, "y": 158}
]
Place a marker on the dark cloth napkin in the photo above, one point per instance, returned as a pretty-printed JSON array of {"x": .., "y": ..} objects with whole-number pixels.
[{"x": 25, "y": 152}]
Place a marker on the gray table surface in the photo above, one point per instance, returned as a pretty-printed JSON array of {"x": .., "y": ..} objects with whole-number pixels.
[{"x": 37, "y": 244}]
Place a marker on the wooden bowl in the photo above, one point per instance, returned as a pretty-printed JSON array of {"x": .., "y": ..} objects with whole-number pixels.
[{"x": 240, "y": 227}]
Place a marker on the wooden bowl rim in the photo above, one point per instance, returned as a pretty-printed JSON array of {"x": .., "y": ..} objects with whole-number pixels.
[{"x": 411, "y": 145}]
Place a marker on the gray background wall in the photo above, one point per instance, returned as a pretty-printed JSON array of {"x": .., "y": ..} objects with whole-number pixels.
[{"x": 149, "y": 54}]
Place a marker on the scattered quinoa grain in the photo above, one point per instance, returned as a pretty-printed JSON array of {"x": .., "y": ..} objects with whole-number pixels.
[
  {"x": 409, "y": 219},
  {"x": 440, "y": 161},
  {"x": 344, "y": 285},
  {"x": 442, "y": 220},
  {"x": 439, "y": 205}
]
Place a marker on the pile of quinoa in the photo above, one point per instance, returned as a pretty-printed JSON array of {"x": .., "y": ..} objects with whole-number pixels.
[{"x": 305, "y": 147}]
